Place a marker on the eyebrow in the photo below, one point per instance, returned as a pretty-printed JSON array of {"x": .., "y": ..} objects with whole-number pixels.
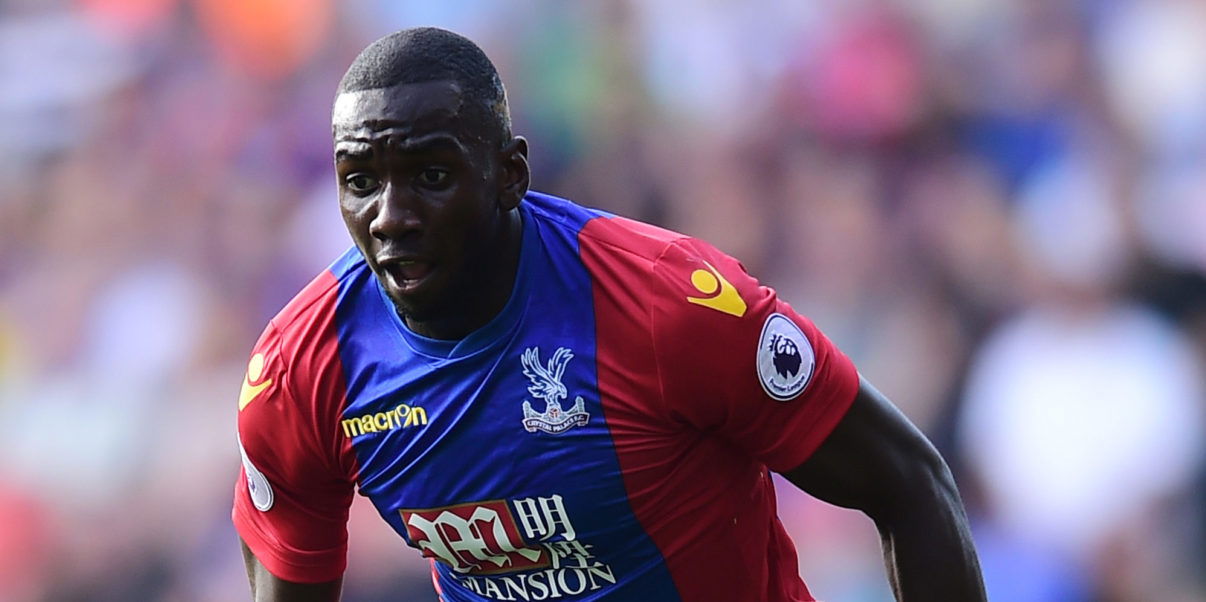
[
  {"x": 360, "y": 147},
  {"x": 425, "y": 143},
  {"x": 359, "y": 150}
]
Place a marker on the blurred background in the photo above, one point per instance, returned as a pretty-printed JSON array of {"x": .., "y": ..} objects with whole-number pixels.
[{"x": 997, "y": 207}]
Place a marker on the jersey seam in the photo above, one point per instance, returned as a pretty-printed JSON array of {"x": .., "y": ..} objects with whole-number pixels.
[
  {"x": 288, "y": 384},
  {"x": 650, "y": 312},
  {"x": 329, "y": 457},
  {"x": 652, "y": 260},
  {"x": 653, "y": 335}
]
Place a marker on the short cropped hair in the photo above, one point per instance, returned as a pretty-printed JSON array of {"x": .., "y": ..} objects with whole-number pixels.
[{"x": 424, "y": 54}]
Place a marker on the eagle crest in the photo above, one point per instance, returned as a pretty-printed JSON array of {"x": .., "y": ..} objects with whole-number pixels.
[
  {"x": 547, "y": 385},
  {"x": 546, "y": 380}
]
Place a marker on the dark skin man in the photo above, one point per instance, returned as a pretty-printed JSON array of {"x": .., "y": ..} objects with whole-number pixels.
[{"x": 429, "y": 197}]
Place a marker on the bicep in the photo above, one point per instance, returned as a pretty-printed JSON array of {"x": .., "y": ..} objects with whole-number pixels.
[
  {"x": 872, "y": 458},
  {"x": 266, "y": 587}
]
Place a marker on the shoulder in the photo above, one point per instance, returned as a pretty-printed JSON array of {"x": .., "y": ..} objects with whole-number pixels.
[
  {"x": 643, "y": 243},
  {"x": 320, "y": 294},
  {"x": 635, "y": 256},
  {"x": 308, "y": 319},
  {"x": 299, "y": 346},
  {"x": 688, "y": 273},
  {"x": 293, "y": 393},
  {"x": 591, "y": 229},
  {"x": 659, "y": 268},
  {"x": 666, "y": 269}
]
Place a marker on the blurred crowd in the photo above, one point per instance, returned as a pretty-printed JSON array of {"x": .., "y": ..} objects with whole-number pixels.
[{"x": 996, "y": 207}]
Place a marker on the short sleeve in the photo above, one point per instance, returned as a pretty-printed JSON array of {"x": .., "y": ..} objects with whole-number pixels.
[
  {"x": 737, "y": 361},
  {"x": 291, "y": 500}
]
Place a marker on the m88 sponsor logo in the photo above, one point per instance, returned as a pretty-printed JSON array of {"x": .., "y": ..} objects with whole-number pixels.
[{"x": 521, "y": 549}]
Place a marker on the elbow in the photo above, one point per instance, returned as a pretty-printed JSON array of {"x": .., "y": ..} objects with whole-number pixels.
[
  {"x": 934, "y": 471},
  {"x": 920, "y": 484}
]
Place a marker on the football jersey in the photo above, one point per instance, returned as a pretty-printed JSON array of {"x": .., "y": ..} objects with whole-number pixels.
[{"x": 607, "y": 436}]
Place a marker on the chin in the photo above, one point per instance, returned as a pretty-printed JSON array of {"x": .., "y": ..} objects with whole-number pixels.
[
  {"x": 416, "y": 308},
  {"x": 408, "y": 307}
]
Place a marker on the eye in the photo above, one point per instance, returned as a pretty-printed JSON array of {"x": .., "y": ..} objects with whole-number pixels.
[
  {"x": 433, "y": 177},
  {"x": 361, "y": 183}
]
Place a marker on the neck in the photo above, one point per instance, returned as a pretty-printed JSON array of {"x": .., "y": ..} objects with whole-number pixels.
[{"x": 492, "y": 283}]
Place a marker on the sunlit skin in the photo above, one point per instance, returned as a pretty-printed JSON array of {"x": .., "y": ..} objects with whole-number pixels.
[{"x": 430, "y": 197}]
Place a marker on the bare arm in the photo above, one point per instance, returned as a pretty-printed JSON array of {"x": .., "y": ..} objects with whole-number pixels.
[
  {"x": 266, "y": 587},
  {"x": 876, "y": 461}
]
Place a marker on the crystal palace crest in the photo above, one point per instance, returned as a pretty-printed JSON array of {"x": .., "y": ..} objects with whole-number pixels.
[{"x": 546, "y": 385}]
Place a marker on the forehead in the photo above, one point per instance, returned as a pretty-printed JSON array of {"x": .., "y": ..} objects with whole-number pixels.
[{"x": 405, "y": 110}]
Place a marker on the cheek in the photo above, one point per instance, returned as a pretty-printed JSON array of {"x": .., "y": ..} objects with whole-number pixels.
[
  {"x": 350, "y": 204},
  {"x": 356, "y": 220},
  {"x": 354, "y": 210},
  {"x": 350, "y": 220},
  {"x": 459, "y": 216}
]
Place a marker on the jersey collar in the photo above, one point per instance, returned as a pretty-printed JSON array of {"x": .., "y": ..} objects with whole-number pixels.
[{"x": 497, "y": 328}]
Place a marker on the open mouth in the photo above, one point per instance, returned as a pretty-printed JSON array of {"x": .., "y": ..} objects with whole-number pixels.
[{"x": 406, "y": 274}]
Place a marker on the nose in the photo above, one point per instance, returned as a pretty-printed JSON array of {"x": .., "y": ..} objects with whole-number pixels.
[{"x": 396, "y": 216}]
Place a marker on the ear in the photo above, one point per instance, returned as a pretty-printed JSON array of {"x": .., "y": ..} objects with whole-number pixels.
[{"x": 516, "y": 173}]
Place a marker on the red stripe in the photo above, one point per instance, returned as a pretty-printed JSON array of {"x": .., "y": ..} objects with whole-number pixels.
[
  {"x": 707, "y": 506},
  {"x": 291, "y": 432},
  {"x": 435, "y": 581}
]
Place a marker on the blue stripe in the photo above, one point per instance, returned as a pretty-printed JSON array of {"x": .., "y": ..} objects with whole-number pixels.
[{"x": 474, "y": 447}]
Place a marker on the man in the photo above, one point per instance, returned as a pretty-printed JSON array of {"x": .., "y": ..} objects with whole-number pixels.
[{"x": 549, "y": 401}]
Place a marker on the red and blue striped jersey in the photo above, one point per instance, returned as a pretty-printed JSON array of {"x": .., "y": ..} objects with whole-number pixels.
[{"x": 607, "y": 436}]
